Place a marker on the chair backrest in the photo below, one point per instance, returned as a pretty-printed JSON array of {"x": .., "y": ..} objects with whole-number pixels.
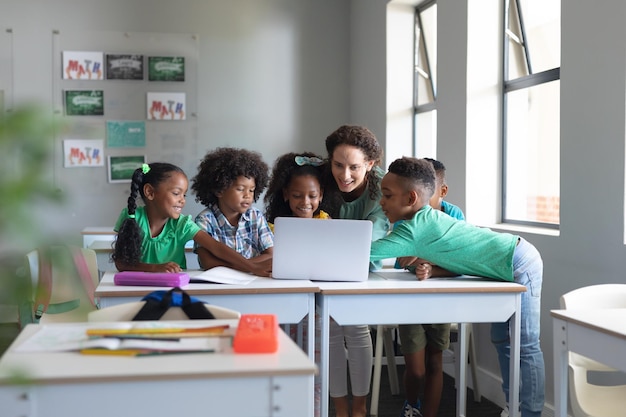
[
  {"x": 63, "y": 279},
  {"x": 126, "y": 312},
  {"x": 600, "y": 296},
  {"x": 595, "y": 296}
]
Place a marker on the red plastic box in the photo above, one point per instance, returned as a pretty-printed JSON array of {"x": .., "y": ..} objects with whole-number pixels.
[{"x": 256, "y": 333}]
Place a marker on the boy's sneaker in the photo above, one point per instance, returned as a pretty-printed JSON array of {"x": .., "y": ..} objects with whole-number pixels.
[{"x": 410, "y": 411}]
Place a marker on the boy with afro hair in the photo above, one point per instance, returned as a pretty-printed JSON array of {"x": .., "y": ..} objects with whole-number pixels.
[{"x": 228, "y": 182}]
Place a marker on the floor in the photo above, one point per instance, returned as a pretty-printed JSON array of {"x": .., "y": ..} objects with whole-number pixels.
[{"x": 391, "y": 406}]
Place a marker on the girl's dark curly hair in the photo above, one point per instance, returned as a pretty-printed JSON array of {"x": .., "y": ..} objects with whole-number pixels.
[
  {"x": 221, "y": 167},
  {"x": 284, "y": 170},
  {"x": 362, "y": 138},
  {"x": 128, "y": 241},
  {"x": 419, "y": 173}
]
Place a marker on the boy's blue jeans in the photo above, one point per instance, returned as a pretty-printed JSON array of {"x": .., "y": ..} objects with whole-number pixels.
[{"x": 528, "y": 271}]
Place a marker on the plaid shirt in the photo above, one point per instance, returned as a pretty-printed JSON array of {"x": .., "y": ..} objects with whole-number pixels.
[{"x": 250, "y": 237}]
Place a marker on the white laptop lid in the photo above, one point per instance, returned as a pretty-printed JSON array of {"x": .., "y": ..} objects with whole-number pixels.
[{"x": 321, "y": 250}]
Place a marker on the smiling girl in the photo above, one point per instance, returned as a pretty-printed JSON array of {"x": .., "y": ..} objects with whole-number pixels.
[
  {"x": 295, "y": 189},
  {"x": 152, "y": 237}
]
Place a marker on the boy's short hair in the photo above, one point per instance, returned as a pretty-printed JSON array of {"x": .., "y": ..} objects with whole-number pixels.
[
  {"x": 222, "y": 166},
  {"x": 440, "y": 170},
  {"x": 418, "y": 173}
]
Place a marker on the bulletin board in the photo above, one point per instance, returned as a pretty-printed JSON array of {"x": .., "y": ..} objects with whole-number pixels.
[{"x": 101, "y": 86}]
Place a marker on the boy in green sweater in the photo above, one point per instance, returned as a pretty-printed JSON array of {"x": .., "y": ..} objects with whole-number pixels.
[{"x": 445, "y": 246}]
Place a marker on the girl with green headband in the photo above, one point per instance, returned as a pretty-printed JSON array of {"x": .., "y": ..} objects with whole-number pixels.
[{"x": 152, "y": 237}]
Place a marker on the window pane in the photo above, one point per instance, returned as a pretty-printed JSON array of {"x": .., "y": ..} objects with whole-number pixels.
[
  {"x": 426, "y": 134},
  {"x": 532, "y": 154},
  {"x": 426, "y": 55},
  {"x": 541, "y": 35}
]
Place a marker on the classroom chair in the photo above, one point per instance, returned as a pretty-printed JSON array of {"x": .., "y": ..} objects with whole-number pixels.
[
  {"x": 126, "y": 312},
  {"x": 586, "y": 398},
  {"x": 384, "y": 338},
  {"x": 63, "y": 284}
]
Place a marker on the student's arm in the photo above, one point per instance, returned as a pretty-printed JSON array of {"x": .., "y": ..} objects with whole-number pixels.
[
  {"x": 424, "y": 269},
  {"x": 265, "y": 256},
  {"x": 396, "y": 244},
  {"x": 141, "y": 266},
  {"x": 229, "y": 256}
]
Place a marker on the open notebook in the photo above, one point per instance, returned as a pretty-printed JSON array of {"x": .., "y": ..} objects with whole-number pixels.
[{"x": 321, "y": 250}]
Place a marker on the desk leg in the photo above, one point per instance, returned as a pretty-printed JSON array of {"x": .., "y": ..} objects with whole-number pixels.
[
  {"x": 324, "y": 346},
  {"x": 561, "y": 356},
  {"x": 461, "y": 370},
  {"x": 514, "y": 364},
  {"x": 311, "y": 328}
]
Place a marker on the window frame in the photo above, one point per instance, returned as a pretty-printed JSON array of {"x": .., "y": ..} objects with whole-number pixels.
[
  {"x": 508, "y": 86},
  {"x": 431, "y": 106}
]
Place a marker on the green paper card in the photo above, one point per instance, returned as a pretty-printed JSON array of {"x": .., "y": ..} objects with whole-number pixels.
[
  {"x": 84, "y": 103},
  {"x": 162, "y": 68}
]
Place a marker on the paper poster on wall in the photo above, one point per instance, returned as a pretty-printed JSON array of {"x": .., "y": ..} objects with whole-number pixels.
[
  {"x": 126, "y": 134},
  {"x": 166, "y": 68},
  {"x": 79, "y": 153},
  {"x": 84, "y": 102},
  {"x": 122, "y": 168},
  {"x": 82, "y": 65},
  {"x": 166, "y": 106},
  {"x": 124, "y": 67}
]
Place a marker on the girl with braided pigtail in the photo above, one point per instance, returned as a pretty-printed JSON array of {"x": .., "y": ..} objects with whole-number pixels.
[{"x": 152, "y": 237}]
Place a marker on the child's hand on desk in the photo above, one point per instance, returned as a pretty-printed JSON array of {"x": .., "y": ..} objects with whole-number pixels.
[
  {"x": 407, "y": 261},
  {"x": 167, "y": 267},
  {"x": 423, "y": 271},
  {"x": 423, "y": 268},
  {"x": 262, "y": 267}
]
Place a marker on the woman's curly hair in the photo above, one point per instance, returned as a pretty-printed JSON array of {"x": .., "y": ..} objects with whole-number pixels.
[
  {"x": 221, "y": 167},
  {"x": 284, "y": 170},
  {"x": 363, "y": 139}
]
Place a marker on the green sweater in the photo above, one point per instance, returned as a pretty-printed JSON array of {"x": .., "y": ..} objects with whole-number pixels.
[
  {"x": 452, "y": 244},
  {"x": 364, "y": 208}
]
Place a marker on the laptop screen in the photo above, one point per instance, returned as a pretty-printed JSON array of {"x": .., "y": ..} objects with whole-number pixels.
[{"x": 321, "y": 250}]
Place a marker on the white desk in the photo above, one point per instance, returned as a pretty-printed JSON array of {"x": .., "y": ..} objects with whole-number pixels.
[
  {"x": 596, "y": 334},
  {"x": 92, "y": 234},
  {"x": 396, "y": 297},
  {"x": 69, "y": 384},
  {"x": 290, "y": 300}
]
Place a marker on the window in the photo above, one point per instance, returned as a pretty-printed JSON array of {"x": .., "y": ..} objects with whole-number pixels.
[
  {"x": 425, "y": 83},
  {"x": 531, "y": 109}
]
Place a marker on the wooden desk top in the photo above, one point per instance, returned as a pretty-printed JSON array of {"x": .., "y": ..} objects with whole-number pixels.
[
  {"x": 260, "y": 285},
  {"x": 394, "y": 281},
  {"x": 611, "y": 321},
  {"x": 72, "y": 367}
]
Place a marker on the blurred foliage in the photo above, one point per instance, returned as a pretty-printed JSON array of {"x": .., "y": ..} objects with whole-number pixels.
[
  {"x": 26, "y": 155},
  {"x": 26, "y": 138}
]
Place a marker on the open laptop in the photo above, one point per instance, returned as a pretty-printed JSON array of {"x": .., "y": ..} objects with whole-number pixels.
[{"x": 321, "y": 250}]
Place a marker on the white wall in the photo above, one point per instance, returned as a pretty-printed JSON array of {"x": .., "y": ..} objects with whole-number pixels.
[{"x": 273, "y": 76}]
